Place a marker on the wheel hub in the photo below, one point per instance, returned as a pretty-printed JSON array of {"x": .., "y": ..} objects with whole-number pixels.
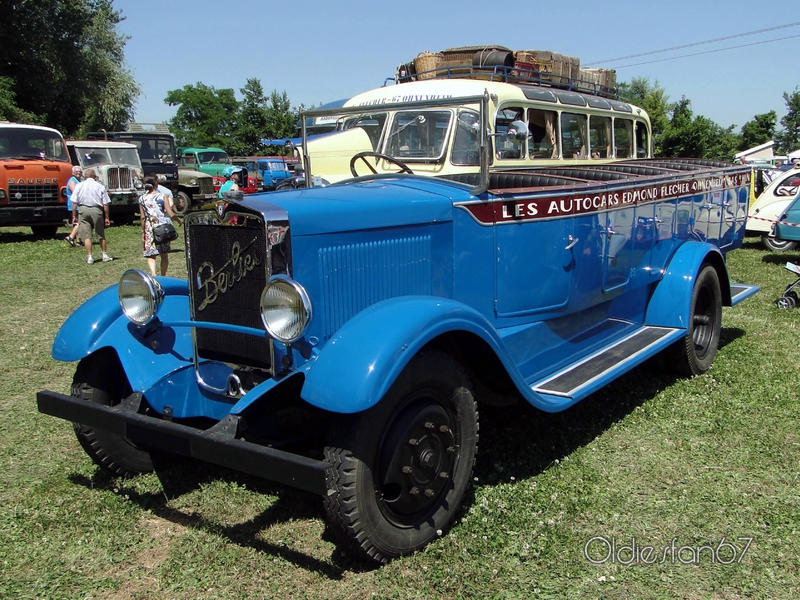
[{"x": 418, "y": 455}]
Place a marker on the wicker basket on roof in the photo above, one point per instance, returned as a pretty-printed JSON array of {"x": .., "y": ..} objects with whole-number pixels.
[{"x": 425, "y": 64}]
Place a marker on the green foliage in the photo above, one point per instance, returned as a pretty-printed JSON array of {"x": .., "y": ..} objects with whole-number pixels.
[
  {"x": 65, "y": 63},
  {"x": 281, "y": 119},
  {"x": 9, "y": 111},
  {"x": 211, "y": 117},
  {"x": 251, "y": 121},
  {"x": 205, "y": 115},
  {"x": 758, "y": 131},
  {"x": 788, "y": 140}
]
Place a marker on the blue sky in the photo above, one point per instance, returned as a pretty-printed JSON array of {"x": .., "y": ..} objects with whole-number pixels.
[{"x": 321, "y": 51}]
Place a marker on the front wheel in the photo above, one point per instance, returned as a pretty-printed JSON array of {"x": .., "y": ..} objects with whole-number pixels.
[
  {"x": 100, "y": 379},
  {"x": 399, "y": 471},
  {"x": 775, "y": 245},
  {"x": 694, "y": 354},
  {"x": 182, "y": 201}
]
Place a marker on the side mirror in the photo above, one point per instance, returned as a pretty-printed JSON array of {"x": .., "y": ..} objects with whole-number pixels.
[{"x": 517, "y": 130}]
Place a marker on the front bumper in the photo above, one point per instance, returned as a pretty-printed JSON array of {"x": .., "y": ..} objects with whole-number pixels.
[
  {"x": 34, "y": 215},
  {"x": 220, "y": 444}
]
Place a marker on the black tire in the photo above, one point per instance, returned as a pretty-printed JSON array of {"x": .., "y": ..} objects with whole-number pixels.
[
  {"x": 44, "y": 230},
  {"x": 775, "y": 245},
  {"x": 399, "y": 470},
  {"x": 694, "y": 354},
  {"x": 182, "y": 202},
  {"x": 99, "y": 378}
]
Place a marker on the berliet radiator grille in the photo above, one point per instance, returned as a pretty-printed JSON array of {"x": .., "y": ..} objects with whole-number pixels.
[
  {"x": 227, "y": 273},
  {"x": 119, "y": 178}
]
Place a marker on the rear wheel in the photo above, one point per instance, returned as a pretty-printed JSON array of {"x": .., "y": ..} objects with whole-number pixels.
[
  {"x": 399, "y": 471},
  {"x": 775, "y": 245},
  {"x": 694, "y": 354},
  {"x": 100, "y": 379}
]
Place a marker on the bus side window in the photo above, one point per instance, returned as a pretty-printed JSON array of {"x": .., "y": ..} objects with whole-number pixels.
[
  {"x": 623, "y": 138},
  {"x": 543, "y": 140},
  {"x": 573, "y": 135},
  {"x": 642, "y": 140},
  {"x": 506, "y": 147},
  {"x": 600, "y": 136}
]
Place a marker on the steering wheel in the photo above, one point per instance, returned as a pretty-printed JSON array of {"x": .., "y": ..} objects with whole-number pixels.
[{"x": 364, "y": 155}]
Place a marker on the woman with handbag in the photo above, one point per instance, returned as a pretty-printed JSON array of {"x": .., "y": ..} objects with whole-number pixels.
[{"x": 157, "y": 228}]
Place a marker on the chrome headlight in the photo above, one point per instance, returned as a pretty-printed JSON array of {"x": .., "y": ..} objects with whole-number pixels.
[
  {"x": 140, "y": 296},
  {"x": 137, "y": 183},
  {"x": 285, "y": 309}
]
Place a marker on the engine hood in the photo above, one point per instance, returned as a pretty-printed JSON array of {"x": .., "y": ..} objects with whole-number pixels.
[{"x": 383, "y": 202}]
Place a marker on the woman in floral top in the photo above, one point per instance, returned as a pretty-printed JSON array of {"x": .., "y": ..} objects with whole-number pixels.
[{"x": 152, "y": 209}]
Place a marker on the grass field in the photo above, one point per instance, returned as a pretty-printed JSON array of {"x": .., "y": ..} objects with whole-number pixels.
[{"x": 654, "y": 487}]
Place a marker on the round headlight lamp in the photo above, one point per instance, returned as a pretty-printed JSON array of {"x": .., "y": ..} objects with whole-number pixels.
[
  {"x": 140, "y": 296},
  {"x": 285, "y": 309}
]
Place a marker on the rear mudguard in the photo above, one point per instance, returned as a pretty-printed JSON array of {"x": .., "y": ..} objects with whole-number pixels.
[
  {"x": 147, "y": 354},
  {"x": 670, "y": 304},
  {"x": 358, "y": 365}
]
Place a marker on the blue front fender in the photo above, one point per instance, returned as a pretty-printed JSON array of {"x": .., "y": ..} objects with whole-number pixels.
[
  {"x": 357, "y": 366},
  {"x": 99, "y": 323}
]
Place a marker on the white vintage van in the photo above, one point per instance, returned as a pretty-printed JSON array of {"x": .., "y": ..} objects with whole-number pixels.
[{"x": 770, "y": 205}]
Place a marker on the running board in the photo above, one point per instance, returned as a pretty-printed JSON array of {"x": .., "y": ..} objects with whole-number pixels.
[
  {"x": 581, "y": 379},
  {"x": 740, "y": 291}
]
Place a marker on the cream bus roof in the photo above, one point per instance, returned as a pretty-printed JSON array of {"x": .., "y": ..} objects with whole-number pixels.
[{"x": 438, "y": 89}]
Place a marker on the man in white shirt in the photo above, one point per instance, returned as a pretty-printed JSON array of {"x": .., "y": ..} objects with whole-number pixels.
[{"x": 90, "y": 212}]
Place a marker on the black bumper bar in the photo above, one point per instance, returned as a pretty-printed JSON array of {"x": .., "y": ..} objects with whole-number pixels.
[{"x": 218, "y": 445}]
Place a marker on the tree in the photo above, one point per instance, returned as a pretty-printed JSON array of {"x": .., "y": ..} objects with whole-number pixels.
[
  {"x": 788, "y": 140},
  {"x": 281, "y": 119},
  {"x": 9, "y": 111},
  {"x": 251, "y": 120},
  {"x": 65, "y": 63},
  {"x": 205, "y": 116},
  {"x": 758, "y": 131},
  {"x": 722, "y": 143}
]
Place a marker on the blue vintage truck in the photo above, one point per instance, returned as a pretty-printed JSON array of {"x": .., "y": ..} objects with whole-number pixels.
[{"x": 341, "y": 339}]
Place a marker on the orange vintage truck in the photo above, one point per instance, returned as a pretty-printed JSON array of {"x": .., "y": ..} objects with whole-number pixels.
[{"x": 34, "y": 170}]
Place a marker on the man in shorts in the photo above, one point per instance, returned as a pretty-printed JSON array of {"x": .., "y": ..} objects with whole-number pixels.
[{"x": 90, "y": 211}]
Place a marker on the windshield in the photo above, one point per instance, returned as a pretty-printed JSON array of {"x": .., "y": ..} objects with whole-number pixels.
[
  {"x": 213, "y": 157},
  {"x": 155, "y": 150},
  {"x": 419, "y": 134},
  {"x": 371, "y": 123},
  {"x": 89, "y": 157},
  {"x": 26, "y": 143}
]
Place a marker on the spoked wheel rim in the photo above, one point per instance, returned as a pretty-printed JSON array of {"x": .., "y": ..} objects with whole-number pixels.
[
  {"x": 416, "y": 461},
  {"x": 704, "y": 321}
]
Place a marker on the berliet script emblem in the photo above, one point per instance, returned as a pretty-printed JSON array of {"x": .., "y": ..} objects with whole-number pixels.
[{"x": 213, "y": 282}]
